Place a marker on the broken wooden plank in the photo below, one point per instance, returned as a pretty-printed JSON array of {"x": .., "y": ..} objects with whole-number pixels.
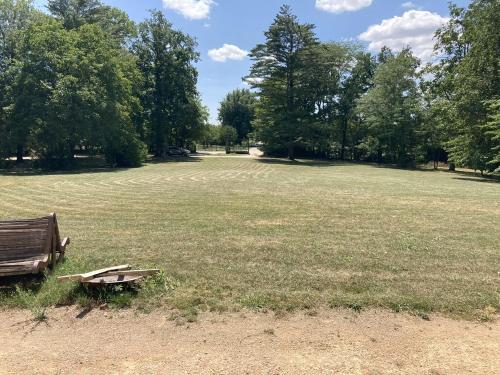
[
  {"x": 131, "y": 273},
  {"x": 92, "y": 274},
  {"x": 112, "y": 280}
]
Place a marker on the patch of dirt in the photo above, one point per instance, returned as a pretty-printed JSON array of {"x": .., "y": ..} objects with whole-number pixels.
[{"x": 333, "y": 342}]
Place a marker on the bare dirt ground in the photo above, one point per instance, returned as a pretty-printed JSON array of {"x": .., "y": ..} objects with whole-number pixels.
[{"x": 333, "y": 342}]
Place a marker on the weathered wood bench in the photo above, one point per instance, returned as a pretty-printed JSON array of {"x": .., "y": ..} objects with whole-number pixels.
[{"x": 30, "y": 246}]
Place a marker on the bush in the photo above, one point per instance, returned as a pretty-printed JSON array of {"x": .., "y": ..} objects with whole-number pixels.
[{"x": 125, "y": 150}]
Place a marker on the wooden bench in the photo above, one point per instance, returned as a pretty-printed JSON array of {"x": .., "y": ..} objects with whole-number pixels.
[{"x": 30, "y": 246}]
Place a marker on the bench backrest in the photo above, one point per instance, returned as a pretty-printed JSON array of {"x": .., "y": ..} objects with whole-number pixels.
[{"x": 25, "y": 239}]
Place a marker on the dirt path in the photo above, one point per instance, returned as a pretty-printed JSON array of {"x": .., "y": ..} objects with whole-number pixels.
[{"x": 334, "y": 342}]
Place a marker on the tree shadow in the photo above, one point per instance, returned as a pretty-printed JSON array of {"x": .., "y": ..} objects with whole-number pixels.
[
  {"x": 41, "y": 172},
  {"x": 172, "y": 159},
  {"x": 81, "y": 165},
  {"x": 487, "y": 180},
  {"x": 28, "y": 170},
  {"x": 298, "y": 162}
]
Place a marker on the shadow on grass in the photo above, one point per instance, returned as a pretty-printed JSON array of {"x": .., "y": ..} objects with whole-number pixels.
[
  {"x": 487, "y": 180},
  {"x": 170, "y": 160},
  {"x": 80, "y": 166},
  {"x": 468, "y": 175},
  {"x": 31, "y": 282},
  {"x": 25, "y": 292},
  {"x": 298, "y": 162},
  {"x": 87, "y": 167},
  {"x": 40, "y": 172}
]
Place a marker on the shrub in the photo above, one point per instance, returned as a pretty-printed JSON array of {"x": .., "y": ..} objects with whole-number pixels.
[{"x": 125, "y": 150}]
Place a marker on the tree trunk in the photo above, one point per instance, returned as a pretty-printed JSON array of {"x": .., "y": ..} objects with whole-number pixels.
[
  {"x": 71, "y": 151},
  {"x": 19, "y": 154},
  {"x": 291, "y": 151},
  {"x": 344, "y": 139}
]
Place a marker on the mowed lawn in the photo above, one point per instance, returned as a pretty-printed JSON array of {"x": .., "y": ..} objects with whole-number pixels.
[{"x": 233, "y": 232}]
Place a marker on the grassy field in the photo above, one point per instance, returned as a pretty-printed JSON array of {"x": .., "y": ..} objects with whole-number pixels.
[{"x": 233, "y": 232}]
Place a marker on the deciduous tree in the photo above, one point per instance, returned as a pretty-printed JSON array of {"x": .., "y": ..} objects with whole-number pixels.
[
  {"x": 391, "y": 109},
  {"x": 169, "y": 95},
  {"x": 238, "y": 111}
]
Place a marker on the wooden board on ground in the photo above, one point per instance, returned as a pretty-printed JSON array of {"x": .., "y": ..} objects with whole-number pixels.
[
  {"x": 112, "y": 280},
  {"x": 90, "y": 275},
  {"x": 133, "y": 273}
]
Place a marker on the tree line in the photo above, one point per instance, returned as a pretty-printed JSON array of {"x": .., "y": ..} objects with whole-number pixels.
[
  {"x": 84, "y": 77},
  {"x": 336, "y": 100}
]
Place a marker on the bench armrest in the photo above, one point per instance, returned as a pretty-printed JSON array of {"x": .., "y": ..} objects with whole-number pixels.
[{"x": 65, "y": 242}]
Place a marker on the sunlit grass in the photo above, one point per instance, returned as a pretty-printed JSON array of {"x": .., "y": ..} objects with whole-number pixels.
[{"x": 235, "y": 232}]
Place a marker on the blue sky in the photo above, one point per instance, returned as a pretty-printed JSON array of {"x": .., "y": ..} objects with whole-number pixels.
[{"x": 240, "y": 24}]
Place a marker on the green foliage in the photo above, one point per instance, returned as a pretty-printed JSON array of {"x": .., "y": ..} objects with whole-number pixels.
[
  {"x": 312, "y": 95},
  {"x": 467, "y": 79},
  {"x": 28, "y": 300},
  {"x": 71, "y": 84},
  {"x": 15, "y": 18},
  {"x": 492, "y": 130},
  {"x": 76, "y": 89},
  {"x": 238, "y": 111},
  {"x": 76, "y": 13},
  {"x": 277, "y": 74},
  {"x": 173, "y": 114},
  {"x": 227, "y": 135},
  {"x": 210, "y": 135},
  {"x": 124, "y": 149},
  {"x": 357, "y": 81},
  {"x": 391, "y": 109}
]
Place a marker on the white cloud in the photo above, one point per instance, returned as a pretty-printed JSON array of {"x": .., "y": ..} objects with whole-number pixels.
[
  {"x": 340, "y": 6},
  {"x": 410, "y": 5},
  {"x": 415, "y": 28},
  {"x": 227, "y": 52},
  {"x": 192, "y": 9},
  {"x": 252, "y": 81}
]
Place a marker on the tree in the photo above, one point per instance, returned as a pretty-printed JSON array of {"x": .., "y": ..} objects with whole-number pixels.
[
  {"x": 76, "y": 89},
  {"x": 356, "y": 83},
  {"x": 492, "y": 130},
  {"x": 278, "y": 62},
  {"x": 326, "y": 66},
  {"x": 228, "y": 135},
  {"x": 169, "y": 94},
  {"x": 467, "y": 79},
  {"x": 15, "y": 17},
  {"x": 210, "y": 135},
  {"x": 238, "y": 111},
  {"x": 191, "y": 121},
  {"x": 76, "y": 13},
  {"x": 391, "y": 109}
]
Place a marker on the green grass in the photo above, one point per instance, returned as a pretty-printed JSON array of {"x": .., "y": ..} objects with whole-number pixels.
[{"x": 235, "y": 232}]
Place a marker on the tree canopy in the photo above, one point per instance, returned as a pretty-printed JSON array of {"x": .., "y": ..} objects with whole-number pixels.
[
  {"x": 85, "y": 77},
  {"x": 335, "y": 100},
  {"x": 238, "y": 111},
  {"x": 467, "y": 81}
]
